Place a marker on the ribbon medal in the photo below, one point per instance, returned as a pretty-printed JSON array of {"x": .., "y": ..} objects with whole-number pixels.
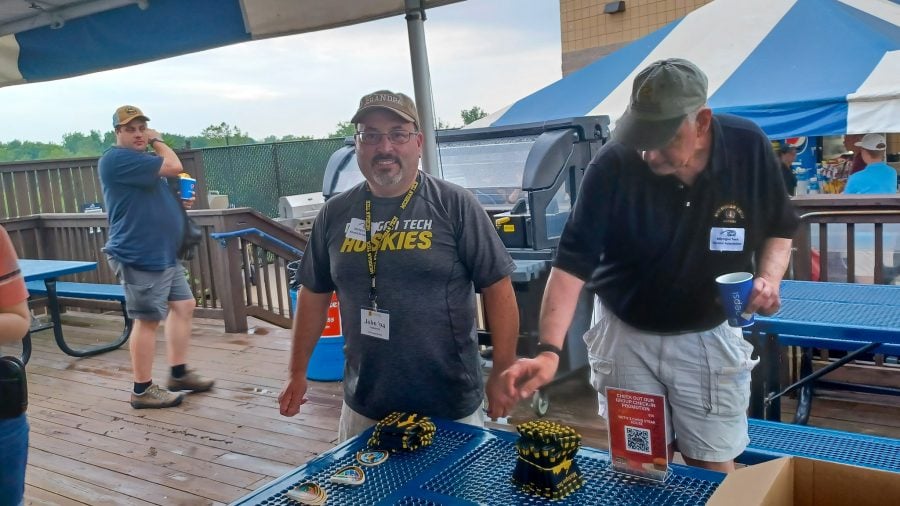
[
  {"x": 349, "y": 475},
  {"x": 371, "y": 458},
  {"x": 308, "y": 493}
]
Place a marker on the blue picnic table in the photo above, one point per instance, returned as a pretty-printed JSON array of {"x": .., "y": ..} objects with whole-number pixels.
[
  {"x": 467, "y": 465},
  {"x": 48, "y": 272},
  {"x": 857, "y": 318}
]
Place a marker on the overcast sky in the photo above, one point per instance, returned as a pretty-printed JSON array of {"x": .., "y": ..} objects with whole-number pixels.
[{"x": 487, "y": 53}]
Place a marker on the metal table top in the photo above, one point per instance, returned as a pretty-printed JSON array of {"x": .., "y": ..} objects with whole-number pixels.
[
  {"x": 770, "y": 440},
  {"x": 43, "y": 269},
  {"x": 466, "y": 465},
  {"x": 836, "y": 311}
]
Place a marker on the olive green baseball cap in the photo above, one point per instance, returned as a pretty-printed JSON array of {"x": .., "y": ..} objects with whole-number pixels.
[
  {"x": 662, "y": 95},
  {"x": 398, "y": 103}
]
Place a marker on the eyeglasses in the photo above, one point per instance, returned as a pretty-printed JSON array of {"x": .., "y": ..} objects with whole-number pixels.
[{"x": 374, "y": 138}]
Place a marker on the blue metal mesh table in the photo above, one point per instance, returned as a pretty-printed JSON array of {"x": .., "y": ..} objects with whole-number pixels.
[
  {"x": 836, "y": 310},
  {"x": 821, "y": 315},
  {"x": 770, "y": 440},
  {"x": 466, "y": 465}
]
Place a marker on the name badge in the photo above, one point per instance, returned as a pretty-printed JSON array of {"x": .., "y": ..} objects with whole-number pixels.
[
  {"x": 726, "y": 239},
  {"x": 375, "y": 323},
  {"x": 356, "y": 229}
]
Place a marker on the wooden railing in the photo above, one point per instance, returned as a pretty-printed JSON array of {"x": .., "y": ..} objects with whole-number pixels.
[
  {"x": 845, "y": 231},
  {"x": 67, "y": 185},
  {"x": 245, "y": 277}
]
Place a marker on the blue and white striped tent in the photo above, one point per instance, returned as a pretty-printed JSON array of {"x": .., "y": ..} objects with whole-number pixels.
[{"x": 795, "y": 67}]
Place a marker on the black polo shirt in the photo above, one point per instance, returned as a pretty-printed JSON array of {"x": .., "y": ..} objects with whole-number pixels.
[{"x": 651, "y": 247}]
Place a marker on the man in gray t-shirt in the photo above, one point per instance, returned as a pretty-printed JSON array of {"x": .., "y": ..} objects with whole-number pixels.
[{"x": 405, "y": 252}]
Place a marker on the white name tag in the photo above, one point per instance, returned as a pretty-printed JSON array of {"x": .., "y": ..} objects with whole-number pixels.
[
  {"x": 726, "y": 239},
  {"x": 356, "y": 229},
  {"x": 375, "y": 323}
]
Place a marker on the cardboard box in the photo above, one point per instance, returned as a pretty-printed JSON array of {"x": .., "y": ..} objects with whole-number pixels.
[{"x": 806, "y": 482}]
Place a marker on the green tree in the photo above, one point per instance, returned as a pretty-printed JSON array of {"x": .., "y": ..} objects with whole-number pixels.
[
  {"x": 475, "y": 113},
  {"x": 343, "y": 129},
  {"x": 224, "y": 134},
  {"x": 78, "y": 144},
  {"x": 287, "y": 138},
  {"x": 443, "y": 125},
  {"x": 291, "y": 137}
]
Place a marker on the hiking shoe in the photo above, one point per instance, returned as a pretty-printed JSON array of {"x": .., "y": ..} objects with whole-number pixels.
[
  {"x": 191, "y": 382},
  {"x": 155, "y": 397}
]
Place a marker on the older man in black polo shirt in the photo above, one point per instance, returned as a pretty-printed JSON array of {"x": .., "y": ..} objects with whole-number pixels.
[{"x": 678, "y": 197}]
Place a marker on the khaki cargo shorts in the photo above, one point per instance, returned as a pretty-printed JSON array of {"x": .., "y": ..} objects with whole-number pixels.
[{"x": 705, "y": 377}]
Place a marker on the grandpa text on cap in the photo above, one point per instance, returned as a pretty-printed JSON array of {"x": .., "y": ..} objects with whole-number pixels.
[{"x": 398, "y": 103}]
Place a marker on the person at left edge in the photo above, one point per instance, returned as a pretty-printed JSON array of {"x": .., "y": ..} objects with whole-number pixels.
[
  {"x": 418, "y": 352},
  {"x": 146, "y": 227},
  {"x": 14, "y": 321}
]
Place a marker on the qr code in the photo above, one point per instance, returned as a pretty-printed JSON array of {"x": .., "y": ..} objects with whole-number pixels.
[{"x": 637, "y": 440}]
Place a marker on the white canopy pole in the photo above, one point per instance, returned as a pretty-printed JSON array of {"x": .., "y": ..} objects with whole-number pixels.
[{"x": 415, "y": 25}]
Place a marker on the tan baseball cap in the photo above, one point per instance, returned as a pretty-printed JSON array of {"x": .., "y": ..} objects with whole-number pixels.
[
  {"x": 127, "y": 113},
  {"x": 398, "y": 103}
]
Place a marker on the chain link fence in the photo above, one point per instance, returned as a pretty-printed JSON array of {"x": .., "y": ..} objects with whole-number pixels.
[{"x": 256, "y": 175}]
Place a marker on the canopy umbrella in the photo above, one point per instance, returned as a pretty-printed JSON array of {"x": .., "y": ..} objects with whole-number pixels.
[
  {"x": 795, "y": 67},
  {"x": 42, "y": 40}
]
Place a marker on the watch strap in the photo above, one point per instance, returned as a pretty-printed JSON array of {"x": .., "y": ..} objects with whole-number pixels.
[
  {"x": 155, "y": 139},
  {"x": 542, "y": 347}
]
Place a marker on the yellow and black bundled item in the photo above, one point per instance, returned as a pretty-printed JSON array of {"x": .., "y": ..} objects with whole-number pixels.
[
  {"x": 546, "y": 459},
  {"x": 402, "y": 431}
]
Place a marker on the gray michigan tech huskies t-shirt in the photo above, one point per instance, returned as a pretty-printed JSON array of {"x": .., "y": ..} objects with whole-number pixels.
[{"x": 443, "y": 247}]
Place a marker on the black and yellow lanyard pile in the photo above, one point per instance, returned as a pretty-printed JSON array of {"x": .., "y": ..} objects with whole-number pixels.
[{"x": 371, "y": 250}]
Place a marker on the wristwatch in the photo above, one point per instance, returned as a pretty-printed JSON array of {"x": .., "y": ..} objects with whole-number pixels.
[
  {"x": 155, "y": 139},
  {"x": 542, "y": 347}
]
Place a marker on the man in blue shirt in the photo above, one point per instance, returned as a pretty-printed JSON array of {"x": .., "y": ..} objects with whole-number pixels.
[
  {"x": 146, "y": 226},
  {"x": 877, "y": 177}
]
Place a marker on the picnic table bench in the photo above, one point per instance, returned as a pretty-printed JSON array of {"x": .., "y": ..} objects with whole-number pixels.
[
  {"x": 771, "y": 440},
  {"x": 95, "y": 291}
]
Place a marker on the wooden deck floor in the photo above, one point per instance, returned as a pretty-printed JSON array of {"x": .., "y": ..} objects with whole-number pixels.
[{"x": 88, "y": 446}]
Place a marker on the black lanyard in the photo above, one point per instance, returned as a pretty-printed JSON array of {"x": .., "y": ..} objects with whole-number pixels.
[{"x": 371, "y": 250}]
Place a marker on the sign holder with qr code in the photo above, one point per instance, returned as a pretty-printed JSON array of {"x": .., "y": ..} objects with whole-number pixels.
[{"x": 637, "y": 433}]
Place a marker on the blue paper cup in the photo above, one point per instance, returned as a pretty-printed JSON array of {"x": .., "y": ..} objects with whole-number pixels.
[
  {"x": 187, "y": 187},
  {"x": 734, "y": 290}
]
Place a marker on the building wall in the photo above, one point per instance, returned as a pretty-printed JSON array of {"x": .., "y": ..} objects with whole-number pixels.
[{"x": 588, "y": 33}]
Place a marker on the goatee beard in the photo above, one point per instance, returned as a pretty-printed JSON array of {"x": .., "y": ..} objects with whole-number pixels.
[{"x": 387, "y": 178}]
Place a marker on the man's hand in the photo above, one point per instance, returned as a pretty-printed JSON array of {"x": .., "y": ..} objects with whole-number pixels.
[
  {"x": 188, "y": 203},
  {"x": 151, "y": 133},
  {"x": 526, "y": 375},
  {"x": 500, "y": 403},
  {"x": 765, "y": 298},
  {"x": 293, "y": 396}
]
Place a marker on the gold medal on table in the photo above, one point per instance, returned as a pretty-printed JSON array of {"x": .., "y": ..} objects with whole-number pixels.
[
  {"x": 308, "y": 493},
  {"x": 349, "y": 475},
  {"x": 371, "y": 458}
]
